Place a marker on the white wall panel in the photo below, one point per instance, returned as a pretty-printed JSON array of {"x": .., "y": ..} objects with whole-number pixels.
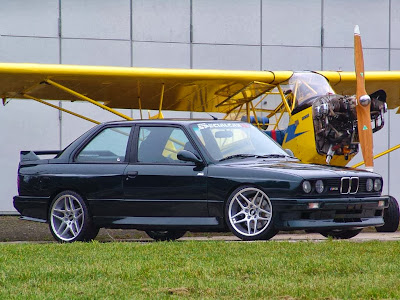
[
  {"x": 226, "y": 22},
  {"x": 291, "y": 58},
  {"x": 29, "y": 18},
  {"x": 96, "y": 19},
  {"x": 161, "y": 55},
  {"x": 295, "y": 23},
  {"x": 25, "y": 126},
  {"x": 395, "y": 24},
  {"x": 229, "y": 57},
  {"x": 343, "y": 59},
  {"x": 96, "y": 52},
  {"x": 372, "y": 16},
  {"x": 29, "y": 50},
  {"x": 161, "y": 20}
]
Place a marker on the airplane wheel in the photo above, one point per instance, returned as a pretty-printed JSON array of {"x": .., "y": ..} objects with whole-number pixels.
[
  {"x": 341, "y": 234},
  {"x": 391, "y": 216},
  {"x": 166, "y": 235}
]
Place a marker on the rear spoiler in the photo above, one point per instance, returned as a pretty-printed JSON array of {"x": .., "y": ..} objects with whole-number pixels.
[{"x": 33, "y": 155}]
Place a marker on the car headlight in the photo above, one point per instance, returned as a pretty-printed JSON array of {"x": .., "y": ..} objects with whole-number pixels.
[
  {"x": 319, "y": 186},
  {"x": 377, "y": 185},
  {"x": 306, "y": 186},
  {"x": 369, "y": 185}
]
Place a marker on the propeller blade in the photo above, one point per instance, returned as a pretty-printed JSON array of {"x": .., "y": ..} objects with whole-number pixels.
[{"x": 363, "y": 107}]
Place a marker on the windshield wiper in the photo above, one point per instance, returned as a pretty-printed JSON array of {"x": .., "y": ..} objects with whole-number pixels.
[
  {"x": 272, "y": 156},
  {"x": 238, "y": 156}
]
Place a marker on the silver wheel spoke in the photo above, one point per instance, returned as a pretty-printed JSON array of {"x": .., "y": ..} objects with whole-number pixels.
[
  {"x": 244, "y": 197},
  {"x": 255, "y": 198},
  {"x": 240, "y": 203},
  {"x": 248, "y": 227},
  {"x": 265, "y": 212},
  {"x": 264, "y": 219},
  {"x": 58, "y": 217},
  {"x": 239, "y": 221},
  {"x": 65, "y": 230},
  {"x": 62, "y": 211},
  {"x": 238, "y": 214},
  {"x": 71, "y": 204}
]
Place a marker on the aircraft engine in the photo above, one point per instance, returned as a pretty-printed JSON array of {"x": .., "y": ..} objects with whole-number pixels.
[{"x": 335, "y": 123}]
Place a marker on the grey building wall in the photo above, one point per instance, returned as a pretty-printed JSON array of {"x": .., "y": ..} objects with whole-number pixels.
[{"x": 215, "y": 34}]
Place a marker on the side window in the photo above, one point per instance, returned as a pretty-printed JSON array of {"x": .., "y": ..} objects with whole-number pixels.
[
  {"x": 162, "y": 144},
  {"x": 108, "y": 146}
]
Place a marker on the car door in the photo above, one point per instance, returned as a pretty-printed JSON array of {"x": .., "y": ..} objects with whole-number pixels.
[
  {"x": 98, "y": 167},
  {"x": 158, "y": 184}
]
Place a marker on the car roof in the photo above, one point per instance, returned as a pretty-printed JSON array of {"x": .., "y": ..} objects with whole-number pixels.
[{"x": 168, "y": 121}]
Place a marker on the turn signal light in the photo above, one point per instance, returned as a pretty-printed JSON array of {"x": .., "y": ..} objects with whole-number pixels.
[{"x": 313, "y": 205}]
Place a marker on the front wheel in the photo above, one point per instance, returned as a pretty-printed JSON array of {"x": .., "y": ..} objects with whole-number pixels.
[
  {"x": 69, "y": 218},
  {"x": 248, "y": 213},
  {"x": 165, "y": 235},
  {"x": 341, "y": 234}
]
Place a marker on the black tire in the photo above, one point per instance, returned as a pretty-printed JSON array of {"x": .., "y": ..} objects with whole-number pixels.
[
  {"x": 69, "y": 218},
  {"x": 249, "y": 214},
  {"x": 165, "y": 235},
  {"x": 391, "y": 216},
  {"x": 341, "y": 234}
]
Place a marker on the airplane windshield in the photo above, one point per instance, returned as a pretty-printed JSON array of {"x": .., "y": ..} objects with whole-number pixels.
[{"x": 303, "y": 86}]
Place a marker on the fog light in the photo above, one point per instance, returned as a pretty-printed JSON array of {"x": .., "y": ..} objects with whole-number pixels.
[
  {"x": 306, "y": 186},
  {"x": 377, "y": 185},
  {"x": 313, "y": 205},
  {"x": 381, "y": 203},
  {"x": 369, "y": 185}
]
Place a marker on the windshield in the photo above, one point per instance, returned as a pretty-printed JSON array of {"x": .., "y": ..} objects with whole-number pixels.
[
  {"x": 306, "y": 85},
  {"x": 225, "y": 139}
]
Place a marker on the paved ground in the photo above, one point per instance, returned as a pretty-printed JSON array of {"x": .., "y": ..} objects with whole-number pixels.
[{"x": 15, "y": 230}]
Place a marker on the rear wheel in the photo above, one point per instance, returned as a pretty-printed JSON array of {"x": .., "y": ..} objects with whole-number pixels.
[
  {"x": 391, "y": 217},
  {"x": 69, "y": 218},
  {"x": 341, "y": 234},
  {"x": 248, "y": 213},
  {"x": 165, "y": 235}
]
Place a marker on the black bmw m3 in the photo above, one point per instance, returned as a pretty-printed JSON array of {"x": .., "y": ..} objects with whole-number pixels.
[{"x": 170, "y": 176}]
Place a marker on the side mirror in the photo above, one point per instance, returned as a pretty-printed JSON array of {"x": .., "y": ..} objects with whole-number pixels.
[
  {"x": 188, "y": 156},
  {"x": 290, "y": 152}
]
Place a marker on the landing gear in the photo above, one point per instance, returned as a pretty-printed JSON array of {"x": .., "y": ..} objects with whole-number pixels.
[{"x": 391, "y": 217}]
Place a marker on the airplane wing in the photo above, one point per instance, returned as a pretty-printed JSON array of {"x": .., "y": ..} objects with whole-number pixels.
[
  {"x": 124, "y": 87},
  {"x": 345, "y": 83}
]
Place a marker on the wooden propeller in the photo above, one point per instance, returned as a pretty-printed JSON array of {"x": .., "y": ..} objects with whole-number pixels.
[{"x": 363, "y": 107}]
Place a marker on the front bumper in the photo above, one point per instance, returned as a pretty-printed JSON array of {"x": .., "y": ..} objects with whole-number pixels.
[{"x": 330, "y": 213}]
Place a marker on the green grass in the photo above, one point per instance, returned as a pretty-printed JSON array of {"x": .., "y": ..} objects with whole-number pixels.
[{"x": 231, "y": 270}]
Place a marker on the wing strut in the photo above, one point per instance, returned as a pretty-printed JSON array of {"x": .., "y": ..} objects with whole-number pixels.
[
  {"x": 60, "y": 108},
  {"x": 83, "y": 97}
]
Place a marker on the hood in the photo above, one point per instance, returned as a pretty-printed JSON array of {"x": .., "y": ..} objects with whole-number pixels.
[{"x": 292, "y": 167}]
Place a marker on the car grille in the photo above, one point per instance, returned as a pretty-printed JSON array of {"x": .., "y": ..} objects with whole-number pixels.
[{"x": 346, "y": 185}]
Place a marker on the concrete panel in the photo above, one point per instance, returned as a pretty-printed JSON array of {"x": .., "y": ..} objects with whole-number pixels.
[
  {"x": 161, "y": 55},
  {"x": 161, "y": 20},
  {"x": 343, "y": 59},
  {"x": 275, "y": 30},
  {"x": 372, "y": 16},
  {"x": 229, "y": 57},
  {"x": 96, "y": 19},
  {"x": 394, "y": 157},
  {"x": 226, "y": 22},
  {"x": 394, "y": 59},
  {"x": 291, "y": 58},
  {"x": 29, "y": 18},
  {"x": 96, "y": 52},
  {"x": 29, "y": 123},
  {"x": 30, "y": 50},
  {"x": 395, "y": 24}
]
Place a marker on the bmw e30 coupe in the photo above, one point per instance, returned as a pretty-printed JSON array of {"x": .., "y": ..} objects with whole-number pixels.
[{"x": 170, "y": 176}]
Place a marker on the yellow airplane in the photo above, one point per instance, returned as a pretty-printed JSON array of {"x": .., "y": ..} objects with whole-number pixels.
[{"x": 326, "y": 122}]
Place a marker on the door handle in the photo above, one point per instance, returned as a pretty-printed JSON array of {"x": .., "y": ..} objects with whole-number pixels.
[{"x": 131, "y": 174}]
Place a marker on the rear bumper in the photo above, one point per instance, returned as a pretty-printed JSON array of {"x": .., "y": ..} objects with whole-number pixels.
[
  {"x": 332, "y": 213},
  {"x": 32, "y": 207}
]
